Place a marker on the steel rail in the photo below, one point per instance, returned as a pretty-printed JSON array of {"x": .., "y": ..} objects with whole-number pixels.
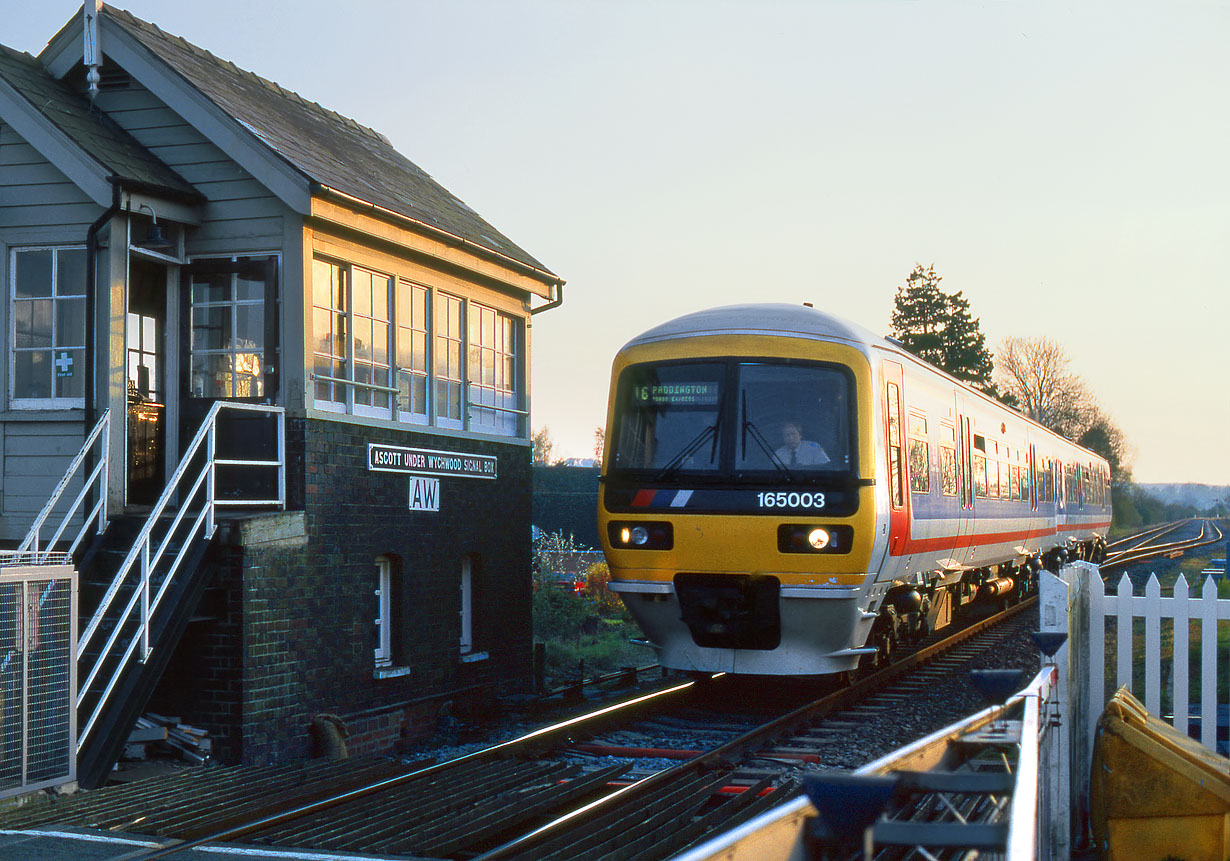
[
  {"x": 719, "y": 758},
  {"x": 730, "y": 750},
  {"x": 542, "y": 736},
  {"x": 1147, "y": 534},
  {"x": 1151, "y": 551}
]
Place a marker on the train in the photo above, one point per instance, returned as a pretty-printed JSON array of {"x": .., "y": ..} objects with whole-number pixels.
[{"x": 785, "y": 493}]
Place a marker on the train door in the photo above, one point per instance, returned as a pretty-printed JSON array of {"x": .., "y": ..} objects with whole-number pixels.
[
  {"x": 965, "y": 483},
  {"x": 898, "y": 481}
]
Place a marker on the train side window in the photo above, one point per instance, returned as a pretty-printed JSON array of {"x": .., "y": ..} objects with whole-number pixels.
[
  {"x": 980, "y": 466},
  {"x": 895, "y": 465},
  {"x": 948, "y": 460},
  {"x": 920, "y": 455}
]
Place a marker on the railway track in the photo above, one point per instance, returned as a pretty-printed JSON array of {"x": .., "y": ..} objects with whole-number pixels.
[
  {"x": 1150, "y": 544},
  {"x": 571, "y": 790}
]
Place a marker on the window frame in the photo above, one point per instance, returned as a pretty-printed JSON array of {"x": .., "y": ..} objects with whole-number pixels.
[
  {"x": 916, "y": 428},
  {"x": 268, "y": 352},
  {"x": 466, "y": 639},
  {"x": 452, "y": 400},
  {"x": 15, "y": 401},
  {"x": 948, "y": 456},
  {"x": 388, "y": 656}
]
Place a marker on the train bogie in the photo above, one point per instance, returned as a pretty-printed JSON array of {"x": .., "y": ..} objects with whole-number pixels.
[{"x": 784, "y": 493}]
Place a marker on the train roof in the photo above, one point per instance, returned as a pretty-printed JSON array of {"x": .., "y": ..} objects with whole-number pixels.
[
  {"x": 761, "y": 319},
  {"x": 803, "y": 321}
]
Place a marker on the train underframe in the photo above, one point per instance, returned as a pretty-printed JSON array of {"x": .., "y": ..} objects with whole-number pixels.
[{"x": 910, "y": 611}]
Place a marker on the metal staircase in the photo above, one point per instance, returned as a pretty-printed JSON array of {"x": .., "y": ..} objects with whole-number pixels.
[{"x": 144, "y": 576}]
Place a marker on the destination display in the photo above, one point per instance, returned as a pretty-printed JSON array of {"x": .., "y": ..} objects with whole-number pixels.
[
  {"x": 677, "y": 394},
  {"x": 426, "y": 461}
]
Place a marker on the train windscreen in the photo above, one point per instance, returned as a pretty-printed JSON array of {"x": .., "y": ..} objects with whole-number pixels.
[
  {"x": 792, "y": 416},
  {"x": 670, "y": 418},
  {"x": 733, "y": 417}
]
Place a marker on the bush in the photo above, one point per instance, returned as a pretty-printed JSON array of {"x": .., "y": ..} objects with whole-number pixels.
[{"x": 590, "y": 626}]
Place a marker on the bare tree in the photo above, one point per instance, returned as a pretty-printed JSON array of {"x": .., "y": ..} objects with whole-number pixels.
[
  {"x": 541, "y": 447},
  {"x": 1035, "y": 372},
  {"x": 599, "y": 444}
]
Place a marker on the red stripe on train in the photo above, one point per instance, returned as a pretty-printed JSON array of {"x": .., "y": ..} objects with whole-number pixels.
[{"x": 924, "y": 545}]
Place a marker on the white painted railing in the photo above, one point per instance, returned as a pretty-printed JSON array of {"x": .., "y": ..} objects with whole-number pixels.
[
  {"x": 33, "y": 549},
  {"x": 1181, "y": 607},
  {"x": 1079, "y": 604},
  {"x": 198, "y": 502}
]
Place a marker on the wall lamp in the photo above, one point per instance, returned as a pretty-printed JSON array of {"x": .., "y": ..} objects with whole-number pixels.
[{"x": 154, "y": 239}]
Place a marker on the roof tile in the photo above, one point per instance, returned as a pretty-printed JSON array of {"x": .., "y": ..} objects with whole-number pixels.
[
  {"x": 116, "y": 151},
  {"x": 326, "y": 147}
]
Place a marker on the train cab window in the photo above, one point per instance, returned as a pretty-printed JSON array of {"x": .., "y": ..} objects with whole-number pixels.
[
  {"x": 948, "y": 460},
  {"x": 980, "y": 466},
  {"x": 920, "y": 455},
  {"x": 709, "y": 419},
  {"x": 670, "y": 417},
  {"x": 791, "y": 416}
]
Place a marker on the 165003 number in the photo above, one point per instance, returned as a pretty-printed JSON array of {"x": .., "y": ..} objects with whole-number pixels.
[{"x": 792, "y": 499}]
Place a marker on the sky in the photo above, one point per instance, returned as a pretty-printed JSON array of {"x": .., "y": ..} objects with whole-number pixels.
[{"x": 1064, "y": 164}]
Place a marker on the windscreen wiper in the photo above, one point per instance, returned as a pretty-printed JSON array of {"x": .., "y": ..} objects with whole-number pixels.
[
  {"x": 759, "y": 439},
  {"x": 675, "y": 463}
]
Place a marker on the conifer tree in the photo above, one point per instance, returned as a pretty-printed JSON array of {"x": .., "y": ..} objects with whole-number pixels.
[
  {"x": 965, "y": 347},
  {"x": 919, "y": 315},
  {"x": 939, "y": 328}
]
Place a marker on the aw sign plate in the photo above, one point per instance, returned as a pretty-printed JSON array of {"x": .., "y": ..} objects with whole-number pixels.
[{"x": 424, "y": 493}]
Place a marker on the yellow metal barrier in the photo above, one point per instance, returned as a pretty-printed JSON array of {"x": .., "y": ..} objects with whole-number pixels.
[{"x": 1155, "y": 793}]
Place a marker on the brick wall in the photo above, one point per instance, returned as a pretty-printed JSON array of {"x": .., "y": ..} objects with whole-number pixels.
[{"x": 294, "y": 636}]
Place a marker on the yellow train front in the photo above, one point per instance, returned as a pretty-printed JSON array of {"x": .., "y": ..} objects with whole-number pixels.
[{"x": 737, "y": 507}]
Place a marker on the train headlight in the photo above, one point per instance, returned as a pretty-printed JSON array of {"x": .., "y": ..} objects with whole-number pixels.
[
  {"x": 644, "y": 535},
  {"x": 814, "y": 538},
  {"x": 818, "y": 538}
]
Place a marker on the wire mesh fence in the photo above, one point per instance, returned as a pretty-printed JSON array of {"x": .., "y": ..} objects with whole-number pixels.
[{"x": 38, "y": 626}]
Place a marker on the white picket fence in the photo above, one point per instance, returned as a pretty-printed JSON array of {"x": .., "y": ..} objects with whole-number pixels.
[{"x": 1078, "y": 603}]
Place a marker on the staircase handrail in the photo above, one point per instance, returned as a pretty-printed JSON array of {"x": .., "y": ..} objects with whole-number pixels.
[
  {"x": 98, "y": 475},
  {"x": 204, "y": 524}
]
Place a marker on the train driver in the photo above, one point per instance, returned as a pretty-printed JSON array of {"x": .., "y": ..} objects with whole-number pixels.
[{"x": 796, "y": 451}]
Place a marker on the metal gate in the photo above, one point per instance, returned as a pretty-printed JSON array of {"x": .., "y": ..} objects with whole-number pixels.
[{"x": 38, "y": 673}]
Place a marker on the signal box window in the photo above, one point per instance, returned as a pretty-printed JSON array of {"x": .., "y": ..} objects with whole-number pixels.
[
  {"x": 389, "y": 636},
  {"x": 47, "y": 301},
  {"x": 233, "y": 335},
  {"x": 388, "y": 348}
]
